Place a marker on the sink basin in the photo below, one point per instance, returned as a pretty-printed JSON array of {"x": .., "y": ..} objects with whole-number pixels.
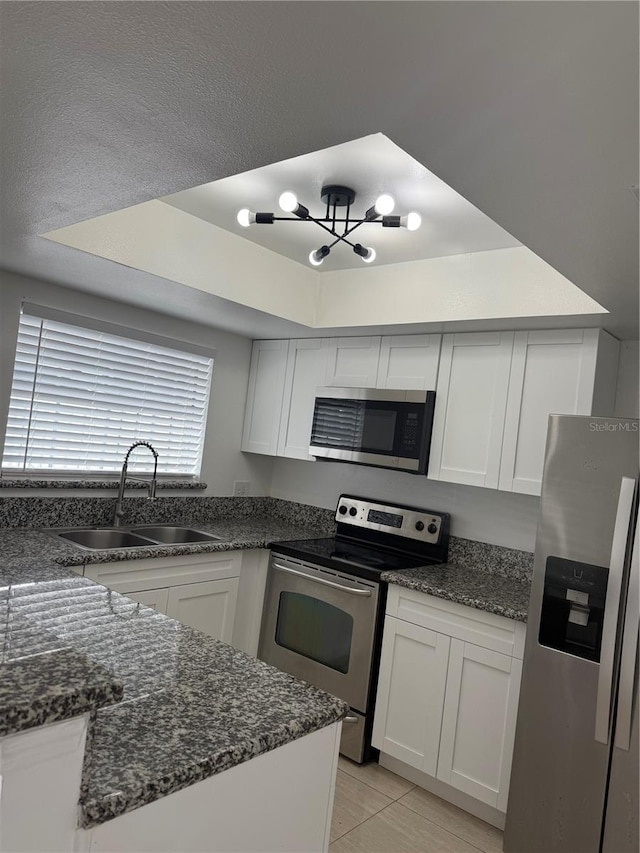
[
  {"x": 104, "y": 538},
  {"x": 168, "y": 535}
]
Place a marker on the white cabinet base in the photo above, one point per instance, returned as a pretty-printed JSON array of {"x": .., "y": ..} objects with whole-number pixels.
[
  {"x": 40, "y": 773},
  {"x": 279, "y": 801},
  {"x": 444, "y": 791}
]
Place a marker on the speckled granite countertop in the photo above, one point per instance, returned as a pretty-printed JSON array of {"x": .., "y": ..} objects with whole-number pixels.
[
  {"x": 23, "y": 546},
  {"x": 506, "y": 596},
  {"x": 192, "y": 706}
]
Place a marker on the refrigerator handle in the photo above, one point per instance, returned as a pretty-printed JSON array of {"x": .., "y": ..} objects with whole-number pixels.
[
  {"x": 629, "y": 655},
  {"x": 611, "y": 610}
]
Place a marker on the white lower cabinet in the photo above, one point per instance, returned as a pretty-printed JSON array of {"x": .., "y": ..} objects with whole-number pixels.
[
  {"x": 478, "y": 723},
  {"x": 447, "y": 706},
  {"x": 409, "y": 709},
  {"x": 209, "y": 606},
  {"x": 156, "y": 598},
  {"x": 199, "y": 590}
]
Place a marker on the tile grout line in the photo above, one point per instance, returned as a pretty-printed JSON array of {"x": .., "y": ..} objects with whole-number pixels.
[
  {"x": 446, "y": 828},
  {"x": 363, "y": 821},
  {"x": 377, "y": 790}
]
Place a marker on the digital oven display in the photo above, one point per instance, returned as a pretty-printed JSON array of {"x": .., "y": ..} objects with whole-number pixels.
[{"x": 388, "y": 518}]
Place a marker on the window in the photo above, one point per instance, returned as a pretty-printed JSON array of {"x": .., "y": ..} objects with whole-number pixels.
[{"x": 81, "y": 396}]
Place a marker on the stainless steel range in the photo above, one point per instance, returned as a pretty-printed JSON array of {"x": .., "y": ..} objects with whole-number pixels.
[{"x": 324, "y": 604}]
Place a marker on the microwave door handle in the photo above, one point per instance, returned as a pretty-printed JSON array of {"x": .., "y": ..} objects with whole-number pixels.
[
  {"x": 629, "y": 657},
  {"x": 350, "y": 589},
  {"x": 611, "y": 610}
]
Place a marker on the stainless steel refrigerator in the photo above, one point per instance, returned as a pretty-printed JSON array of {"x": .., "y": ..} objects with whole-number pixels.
[{"x": 574, "y": 780}]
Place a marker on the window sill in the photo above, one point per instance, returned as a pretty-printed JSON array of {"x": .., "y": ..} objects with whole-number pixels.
[{"x": 28, "y": 483}]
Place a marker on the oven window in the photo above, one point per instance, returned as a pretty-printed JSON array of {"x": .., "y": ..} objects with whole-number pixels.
[{"x": 315, "y": 629}]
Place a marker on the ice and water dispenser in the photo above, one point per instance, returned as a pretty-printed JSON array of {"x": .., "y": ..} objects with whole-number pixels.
[{"x": 573, "y": 607}]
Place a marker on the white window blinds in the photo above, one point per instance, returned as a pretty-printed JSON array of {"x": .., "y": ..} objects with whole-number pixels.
[{"x": 80, "y": 397}]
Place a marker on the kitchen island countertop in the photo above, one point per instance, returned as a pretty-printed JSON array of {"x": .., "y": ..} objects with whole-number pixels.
[{"x": 192, "y": 706}]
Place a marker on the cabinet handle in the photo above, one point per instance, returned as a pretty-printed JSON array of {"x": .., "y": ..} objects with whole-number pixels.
[
  {"x": 611, "y": 609},
  {"x": 629, "y": 652}
]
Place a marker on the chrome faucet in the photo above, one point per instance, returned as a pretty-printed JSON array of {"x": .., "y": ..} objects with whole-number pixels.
[{"x": 151, "y": 483}]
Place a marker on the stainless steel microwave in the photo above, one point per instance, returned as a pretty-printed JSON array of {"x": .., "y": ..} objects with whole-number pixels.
[{"x": 371, "y": 426}]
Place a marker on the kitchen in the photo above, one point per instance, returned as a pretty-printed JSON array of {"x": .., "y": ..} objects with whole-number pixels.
[{"x": 493, "y": 515}]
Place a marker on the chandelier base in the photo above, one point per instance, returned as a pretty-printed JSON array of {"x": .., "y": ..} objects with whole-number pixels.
[{"x": 334, "y": 194}]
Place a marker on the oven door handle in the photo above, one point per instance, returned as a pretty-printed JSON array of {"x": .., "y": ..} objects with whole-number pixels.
[{"x": 350, "y": 589}]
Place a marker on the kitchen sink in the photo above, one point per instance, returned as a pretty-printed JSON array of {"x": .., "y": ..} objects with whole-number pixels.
[
  {"x": 107, "y": 538},
  {"x": 98, "y": 539},
  {"x": 169, "y": 535}
]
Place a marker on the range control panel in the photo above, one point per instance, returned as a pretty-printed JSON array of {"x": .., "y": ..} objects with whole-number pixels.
[{"x": 412, "y": 523}]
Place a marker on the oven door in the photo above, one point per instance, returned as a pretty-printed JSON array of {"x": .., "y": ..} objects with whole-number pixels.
[{"x": 319, "y": 625}]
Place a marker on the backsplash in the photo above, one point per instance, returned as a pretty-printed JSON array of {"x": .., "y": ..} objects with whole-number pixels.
[
  {"x": 36, "y": 512},
  {"x": 508, "y": 563}
]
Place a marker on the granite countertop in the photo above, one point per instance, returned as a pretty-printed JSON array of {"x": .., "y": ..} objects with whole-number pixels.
[
  {"x": 473, "y": 586},
  {"x": 26, "y": 546},
  {"x": 192, "y": 706}
]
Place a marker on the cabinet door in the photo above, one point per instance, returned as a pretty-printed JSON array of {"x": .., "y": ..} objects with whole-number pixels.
[
  {"x": 409, "y": 362},
  {"x": 306, "y": 367},
  {"x": 411, "y": 689},
  {"x": 209, "y": 606},
  {"x": 471, "y": 398},
  {"x": 551, "y": 373},
  {"x": 156, "y": 598},
  {"x": 352, "y": 362},
  {"x": 479, "y": 722},
  {"x": 264, "y": 397}
]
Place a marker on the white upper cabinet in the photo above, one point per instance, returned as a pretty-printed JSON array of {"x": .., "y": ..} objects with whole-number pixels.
[
  {"x": 306, "y": 367},
  {"x": 471, "y": 398},
  {"x": 494, "y": 393},
  {"x": 352, "y": 362},
  {"x": 264, "y": 397},
  {"x": 409, "y": 362},
  {"x": 570, "y": 372}
]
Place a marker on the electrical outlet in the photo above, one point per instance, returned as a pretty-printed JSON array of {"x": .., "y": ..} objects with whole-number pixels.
[{"x": 241, "y": 488}]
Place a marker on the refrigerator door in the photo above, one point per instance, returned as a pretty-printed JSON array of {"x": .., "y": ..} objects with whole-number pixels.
[
  {"x": 559, "y": 775},
  {"x": 621, "y": 822}
]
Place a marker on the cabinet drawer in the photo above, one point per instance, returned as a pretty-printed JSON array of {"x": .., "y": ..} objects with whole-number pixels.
[
  {"x": 457, "y": 620},
  {"x": 152, "y": 573}
]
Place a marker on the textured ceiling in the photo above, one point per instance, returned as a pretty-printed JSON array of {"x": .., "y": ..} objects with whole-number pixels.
[{"x": 529, "y": 110}]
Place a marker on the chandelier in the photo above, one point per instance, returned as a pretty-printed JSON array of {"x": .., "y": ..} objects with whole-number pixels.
[{"x": 339, "y": 227}]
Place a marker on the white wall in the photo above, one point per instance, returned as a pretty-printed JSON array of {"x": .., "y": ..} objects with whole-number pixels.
[
  {"x": 627, "y": 402},
  {"x": 501, "y": 518},
  {"x": 222, "y": 461}
]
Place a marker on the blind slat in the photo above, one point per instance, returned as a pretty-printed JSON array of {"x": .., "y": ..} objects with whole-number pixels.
[{"x": 80, "y": 397}]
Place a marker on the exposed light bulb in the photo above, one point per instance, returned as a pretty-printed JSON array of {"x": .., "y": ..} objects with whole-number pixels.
[
  {"x": 412, "y": 221},
  {"x": 317, "y": 257},
  {"x": 367, "y": 254},
  {"x": 245, "y": 217},
  {"x": 288, "y": 202},
  {"x": 384, "y": 204}
]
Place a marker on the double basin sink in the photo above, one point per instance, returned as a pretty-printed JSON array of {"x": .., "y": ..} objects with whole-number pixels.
[{"x": 106, "y": 538}]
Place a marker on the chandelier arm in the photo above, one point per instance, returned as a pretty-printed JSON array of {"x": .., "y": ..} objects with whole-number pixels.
[
  {"x": 341, "y": 238},
  {"x": 356, "y": 222}
]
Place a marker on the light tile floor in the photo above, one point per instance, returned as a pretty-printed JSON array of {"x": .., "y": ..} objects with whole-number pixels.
[{"x": 376, "y": 811}]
